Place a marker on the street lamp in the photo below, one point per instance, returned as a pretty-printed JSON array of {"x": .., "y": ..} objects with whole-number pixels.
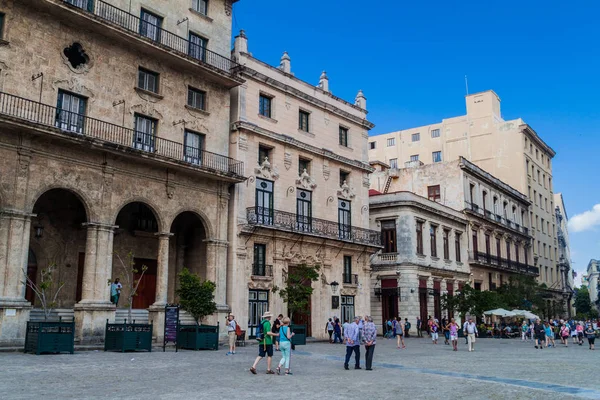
[
  {"x": 39, "y": 230},
  {"x": 334, "y": 287}
]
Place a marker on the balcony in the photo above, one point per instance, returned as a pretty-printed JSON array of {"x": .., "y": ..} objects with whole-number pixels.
[
  {"x": 19, "y": 111},
  {"x": 99, "y": 14},
  {"x": 262, "y": 271},
  {"x": 488, "y": 260},
  {"x": 290, "y": 222},
  {"x": 350, "y": 279},
  {"x": 497, "y": 218}
]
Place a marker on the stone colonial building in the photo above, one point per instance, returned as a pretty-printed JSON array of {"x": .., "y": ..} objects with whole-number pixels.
[
  {"x": 306, "y": 198},
  {"x": 114, "y": 139},
  {"x": 498, "y": 235},
  {"x": 590, "y": 279},
  {"x": 510, "y": 150},
  {"x": 424, "y": 256},
  {"x": 564, "y": 255}
]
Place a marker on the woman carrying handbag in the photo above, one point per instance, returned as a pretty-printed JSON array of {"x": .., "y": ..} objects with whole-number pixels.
[{"x": 285, "y": 344}]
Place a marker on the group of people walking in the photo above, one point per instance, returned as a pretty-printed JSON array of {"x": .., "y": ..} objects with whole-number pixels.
[{"x": 545, "y": 333}]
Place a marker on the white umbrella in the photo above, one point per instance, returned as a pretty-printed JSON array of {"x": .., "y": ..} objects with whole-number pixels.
[
  {"x": 526, "y": 314},
  {"x": 500, "y": 312}
]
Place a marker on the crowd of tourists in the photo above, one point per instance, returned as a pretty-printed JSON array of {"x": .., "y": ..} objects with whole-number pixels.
[
  {"x": 545, "y": 334},
  {"x": 361, "y": 331}
]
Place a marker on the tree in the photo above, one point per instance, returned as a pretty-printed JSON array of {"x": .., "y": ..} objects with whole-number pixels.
[
  {"x": 582, "y": 303},
  {"x": 129, "y": 271},
  {"x": 522, "y": 292},
  {"x": 196, "y": 296},
  {"x": 298, "y": 287},
  {"x": 43, "y": 290}
]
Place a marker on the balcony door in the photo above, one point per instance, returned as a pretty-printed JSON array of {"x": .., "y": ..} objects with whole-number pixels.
[
  {"x": 264, "y": 202},
  {"x": 194, "y": 143},
  {"x": 260, "y": 258},
  {"x": 304, "y": 210},
  {"x": 145, "y": 129},
  {"x": 150, "y": 25},
  {"x": 344, "y": 219},
  {"x": 258, "y": 305},
  {"x": 70, "y": 112},
  {"x": 83, "y": 4},
  {"x": 388, "y": 236},
  {"x": 197, "y": 47}
]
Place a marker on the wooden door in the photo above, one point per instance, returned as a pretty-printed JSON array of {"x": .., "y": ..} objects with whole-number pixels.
[
  {"x": 389, "y": 299},
  {"x": 146, "y": 294},
  {"x": 303, "y": 318}
]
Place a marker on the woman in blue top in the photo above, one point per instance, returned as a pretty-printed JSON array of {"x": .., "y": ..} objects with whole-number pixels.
[{"x": 285, "y": 345}]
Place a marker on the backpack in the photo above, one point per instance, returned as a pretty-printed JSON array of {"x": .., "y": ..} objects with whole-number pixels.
[
  {"x": 238, "y": 330},
  {"x": 260, "y": 332},
  {"x": 407, "y": 325}
]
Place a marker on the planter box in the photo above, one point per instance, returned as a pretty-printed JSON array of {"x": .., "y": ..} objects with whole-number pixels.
[
  {"x": 50, "y": 337},
  {"x": 128, "y": 337},
  {"x": 198, "y": 337},
  {"x": 299, "y": 338}
]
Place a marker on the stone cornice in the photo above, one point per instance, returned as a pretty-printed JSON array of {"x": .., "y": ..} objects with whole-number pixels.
[
  {"x": 408, "y": 199},
  {"x": 492, "y": 180},
  {"x": 528, "y": 130},
  {"x": 238, "y": 125},
  {"x": 253, "y": 74}
]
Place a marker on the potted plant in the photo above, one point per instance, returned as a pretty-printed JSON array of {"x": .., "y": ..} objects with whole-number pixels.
[
  {"x": 48, "y": 336},
  {"x": 196, "y": 296},
  {"x": 297, "y": 295},
  {"x": 129, "y": 335}
]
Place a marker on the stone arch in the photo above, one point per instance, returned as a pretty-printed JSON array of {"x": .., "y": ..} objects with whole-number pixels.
[
  {"x": 148, "y": 203},
  {"x": 58, "y": 237},
  {"x": 208, "y": 228},
  {"x": 85, "y": 200}
]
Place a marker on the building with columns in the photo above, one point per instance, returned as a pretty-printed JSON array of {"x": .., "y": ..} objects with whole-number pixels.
[
  {"x": 114, "y": 140},
  {"x": 424, "y": 257},
  {"x": 510, "y": 150},
  {"x": 306, "y": 199}
]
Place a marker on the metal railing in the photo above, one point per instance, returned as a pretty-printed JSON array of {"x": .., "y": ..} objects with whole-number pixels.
[
  {"x": 77, "y": 125},
  {"x": 503, "y": 263},
  {"x": 262, "y": 270},
  {"x": 495, "y": 217},
  {"x": 350, "y": 279},
  {"x": 154, "y": 33},
  {"x": 313, "y": 226}
]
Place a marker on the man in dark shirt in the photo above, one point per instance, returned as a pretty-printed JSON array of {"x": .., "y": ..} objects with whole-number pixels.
[{"x": 540, "y": 334}]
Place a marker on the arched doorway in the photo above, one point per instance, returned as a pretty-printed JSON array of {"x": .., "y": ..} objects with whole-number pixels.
[
  {"x": 187, "y": 249},
  {"x": 58, "y": 237},
  {"x": 136, "y": 239}
]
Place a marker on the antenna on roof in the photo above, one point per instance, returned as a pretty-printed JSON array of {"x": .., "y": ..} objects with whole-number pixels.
[{"x": 467, "y": 85}]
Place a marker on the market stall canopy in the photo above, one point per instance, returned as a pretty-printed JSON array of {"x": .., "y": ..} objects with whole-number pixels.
[{"x": 500, "y": 312}]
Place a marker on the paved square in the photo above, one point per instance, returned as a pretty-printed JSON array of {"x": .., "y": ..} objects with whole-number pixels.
[{"x": 498, "y": 369}]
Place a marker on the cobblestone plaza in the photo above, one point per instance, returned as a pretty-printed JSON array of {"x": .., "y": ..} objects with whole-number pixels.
[{"x": 498, "y": 369}]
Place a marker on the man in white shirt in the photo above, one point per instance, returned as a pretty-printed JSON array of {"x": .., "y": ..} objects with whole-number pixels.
[
  {"x": 345, "y": 326},
  {"x": 470, "y": 331}
]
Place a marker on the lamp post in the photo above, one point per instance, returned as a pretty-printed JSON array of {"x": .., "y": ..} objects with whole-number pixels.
[{"x": 334, "y": 287}]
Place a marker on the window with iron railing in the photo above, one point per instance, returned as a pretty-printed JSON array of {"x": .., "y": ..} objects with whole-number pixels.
[
  {"x": 193, "y": 146},
  {"x": 260, "y": 257},
  {"x": 197, "y": 46},
  {"x": 150, "y": 25},
  {"x": 144, "y": 133},
  {"x": 70, "y": 112}
]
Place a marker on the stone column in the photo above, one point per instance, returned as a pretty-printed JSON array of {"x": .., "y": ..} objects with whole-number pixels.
[
  {"x": 95, "y": 307},
  {"x": 157, "y": 310},
  {"x": 216, "y": 271},
  {"x": 430, "y": 298},
  {"x": 14, "y": 248}
]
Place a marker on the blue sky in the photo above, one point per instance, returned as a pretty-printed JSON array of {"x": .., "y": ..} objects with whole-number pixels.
[{"x": 410, "y": 59}]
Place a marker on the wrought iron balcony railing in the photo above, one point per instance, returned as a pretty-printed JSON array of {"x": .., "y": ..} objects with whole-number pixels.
[
  {"x": 115, "y": 136},
  {"x": 350, "y": 279},
  {"x": 291, "y": 222},
  {"x": 262, "y": 270},
  {"x": 502, "y": 263},
  {"x": 155, "y": 33},
  {"x": 495, "y": 217}
]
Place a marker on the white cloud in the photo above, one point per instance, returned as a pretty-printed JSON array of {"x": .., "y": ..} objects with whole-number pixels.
[{"x": 586, "y": 220}]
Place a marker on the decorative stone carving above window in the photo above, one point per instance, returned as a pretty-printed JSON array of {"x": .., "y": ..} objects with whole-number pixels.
[
  {"x": 265, "y": 170},
  {"x": 346, "y": 191},
  {"x": 306, "y": 181}
]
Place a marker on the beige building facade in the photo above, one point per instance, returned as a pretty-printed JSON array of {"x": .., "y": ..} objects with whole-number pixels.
[
  {"x": 424, "y": 257},
  {"x": 306, "y": 199},
  {"x": 567, "y": 283},
  {"x": 114, "y": 140},
  {"x": 498, "y": 233},
  {"x": 510, "y": 150}
]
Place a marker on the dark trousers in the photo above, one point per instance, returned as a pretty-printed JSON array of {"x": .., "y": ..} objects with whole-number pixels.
[
  {"x": 406, "y": 333},
  {"x": 369, "y": 350},
  {"x": 337, "y": 337},
  {"x": 419, "y": 332},
  {"x": 349, "y": 350},
  {"x": 330, "y": 335}
]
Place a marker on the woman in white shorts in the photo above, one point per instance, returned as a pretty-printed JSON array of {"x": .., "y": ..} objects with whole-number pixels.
[{"x": 453, "y": 328}]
